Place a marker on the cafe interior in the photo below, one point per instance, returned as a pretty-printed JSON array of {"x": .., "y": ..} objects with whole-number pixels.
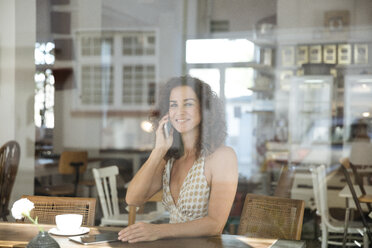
[{"x": 79, "y": 80}]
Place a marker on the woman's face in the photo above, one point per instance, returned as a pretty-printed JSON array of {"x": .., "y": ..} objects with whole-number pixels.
[{"x": 184, "y": 109}]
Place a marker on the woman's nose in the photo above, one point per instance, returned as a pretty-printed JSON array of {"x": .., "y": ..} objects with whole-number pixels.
[{"x": 180, "y": 109}]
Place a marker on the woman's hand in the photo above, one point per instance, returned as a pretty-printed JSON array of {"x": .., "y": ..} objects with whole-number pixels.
[
  {"x": 161, "y": 141},
  {"x": 139, "y": 232}
]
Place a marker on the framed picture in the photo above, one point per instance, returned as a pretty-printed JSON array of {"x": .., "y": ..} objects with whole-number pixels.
[
  {"x": 360, "y": 53},
  {"x": 285, "y": 83},
  {"x": 329, "y": 54},
  {"x": 315, "y": 54},
  {"x": 288, "y": 56},
  {"x": 344, "y": 54},
  {"x": 300, "y": 72},
  {"x": 267, "y": 56},
  {"x": 285, "y": 75},
  {"x": 333, "y": 72},
  {"x": 336, "y": 19},
  {"x": 302, "y": 55}
]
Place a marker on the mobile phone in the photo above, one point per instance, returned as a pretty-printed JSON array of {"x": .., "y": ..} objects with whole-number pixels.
[
  {"x": 95, "y": 238},
  {"x": 167, "y": 129}
]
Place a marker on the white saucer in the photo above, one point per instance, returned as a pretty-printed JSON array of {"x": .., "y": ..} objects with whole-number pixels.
[{"x": 82, "y": 230}]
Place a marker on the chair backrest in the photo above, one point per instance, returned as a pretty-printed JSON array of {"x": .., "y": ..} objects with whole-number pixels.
[
  {"x": 73, "y": 162},
  {"x": 106, "y": 186},
  {"x": 271, "y": 217},
  {"x": 285, "y": 182},
  {"x": 68, "y": 157},
  {"x": 9, "y": 161},
  {"x": 360, "y": 157},
  {"x": 361, "y": 154},
  {"x": 318, "y": 174},
  {"x": 47, "y": 207}
]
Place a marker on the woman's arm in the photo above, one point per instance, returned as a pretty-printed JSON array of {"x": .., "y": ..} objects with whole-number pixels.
[
  {"x": 224, "y": 179},
  {"x": 148, "y": 179}
]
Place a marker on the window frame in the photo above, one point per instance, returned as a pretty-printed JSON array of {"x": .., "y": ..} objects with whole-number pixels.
[{"x": 117, "y": 60}]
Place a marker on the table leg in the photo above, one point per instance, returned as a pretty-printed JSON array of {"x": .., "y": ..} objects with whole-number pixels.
[{"x": 136, "y": 163}]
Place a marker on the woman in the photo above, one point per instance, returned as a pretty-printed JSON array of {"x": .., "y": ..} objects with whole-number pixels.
[{"x": 197, "y": 173}]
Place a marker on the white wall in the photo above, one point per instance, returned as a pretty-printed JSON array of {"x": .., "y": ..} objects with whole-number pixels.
[
  {"x": 306, "y": 14},
  {"x": 85, "y": 130},
  {"x": 243, "y": 14},
  {"x": 17, "y": 42}
]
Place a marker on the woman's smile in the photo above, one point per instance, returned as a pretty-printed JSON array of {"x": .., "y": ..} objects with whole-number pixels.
[
  {"x": 184, "y": 109},
  {"x": 181, "y": 120}
]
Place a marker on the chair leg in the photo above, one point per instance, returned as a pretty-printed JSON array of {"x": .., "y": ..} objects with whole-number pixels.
[
  {"x": 315, "y": 225},
  {"x": 347, "y": 213},
  {"x": 365, "y": 239},
  {"x": 324, "y": 236},
  {"x": 77, "y": 175}
]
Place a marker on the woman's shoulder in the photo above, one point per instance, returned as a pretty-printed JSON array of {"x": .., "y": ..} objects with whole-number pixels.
[
  {"x": 222, "y": 163},
  {"x": 223, "y": 151},
  {"x": 222, "y": 155}
]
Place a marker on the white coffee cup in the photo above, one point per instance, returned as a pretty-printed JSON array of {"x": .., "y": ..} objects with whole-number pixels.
[{"x": 69, "y": 222}]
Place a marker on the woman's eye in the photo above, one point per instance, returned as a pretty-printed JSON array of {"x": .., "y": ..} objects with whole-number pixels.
[
  {"x": 172, "y": 105},
  {"x": 188, "y": 104}
]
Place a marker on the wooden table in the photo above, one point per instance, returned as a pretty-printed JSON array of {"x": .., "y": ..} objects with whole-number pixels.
[
  {"x": 345, "y": 193},
  {"x": 46, "y": 166},
  {"x": 19, "y": 234},
  {"x": 133, "y": 154}
]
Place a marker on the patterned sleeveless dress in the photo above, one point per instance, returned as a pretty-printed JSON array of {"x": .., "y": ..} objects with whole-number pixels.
[{"x": 193, "y": 198}]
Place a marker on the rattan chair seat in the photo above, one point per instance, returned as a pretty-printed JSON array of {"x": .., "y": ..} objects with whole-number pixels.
[
  {"x": 47, "y": 207},
  {"x": 271, "y": 217}
]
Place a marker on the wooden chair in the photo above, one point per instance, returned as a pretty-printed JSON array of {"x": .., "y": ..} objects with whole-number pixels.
[
  {"x": 70, "y": 162},
  {"x": 271, "y": 217},
  {"x": 285, "y": 182},
  {"x": 9, "y": 161},
  {"x": 360, "y": 156},
  {"x": 107, "y": 193},
  {"x": 47, "y": 207},
  {"x": 332, "y": 230}
]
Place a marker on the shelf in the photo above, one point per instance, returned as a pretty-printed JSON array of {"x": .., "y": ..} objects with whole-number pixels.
[
  {"x": 317, "y": 102},
  {"x": 309, "y": 112},
  {"x": 261, "y": 68},
  {"x": 261, "y": 111},
  {"x": 260, "y": 89},
  {"x": 353, "y": 66},
  {"x": 277, "y": 146},
  {"x": 65, "y": 64},
  {"x": 265, "y": 43},
  {"x": 288, "y": 68}
]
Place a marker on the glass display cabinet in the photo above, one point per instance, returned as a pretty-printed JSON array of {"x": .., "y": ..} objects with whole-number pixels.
[
  {"x": 310, "y": 119},
  {"x": 358, "y": 108}
]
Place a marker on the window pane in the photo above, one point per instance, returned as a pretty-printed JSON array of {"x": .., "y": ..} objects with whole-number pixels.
[
  {"x": 238, "y": 80},
  {"x": 219, "y": 51},
  {"x": 210, "y": 76}
]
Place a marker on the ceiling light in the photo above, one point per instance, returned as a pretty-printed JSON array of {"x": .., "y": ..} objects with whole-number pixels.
[
  {"x": 147, "y": 126},
  {"x": 314, "y": 81}
]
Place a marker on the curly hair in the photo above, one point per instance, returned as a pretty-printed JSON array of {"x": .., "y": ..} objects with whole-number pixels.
[{"x": 212, "y": 127}]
